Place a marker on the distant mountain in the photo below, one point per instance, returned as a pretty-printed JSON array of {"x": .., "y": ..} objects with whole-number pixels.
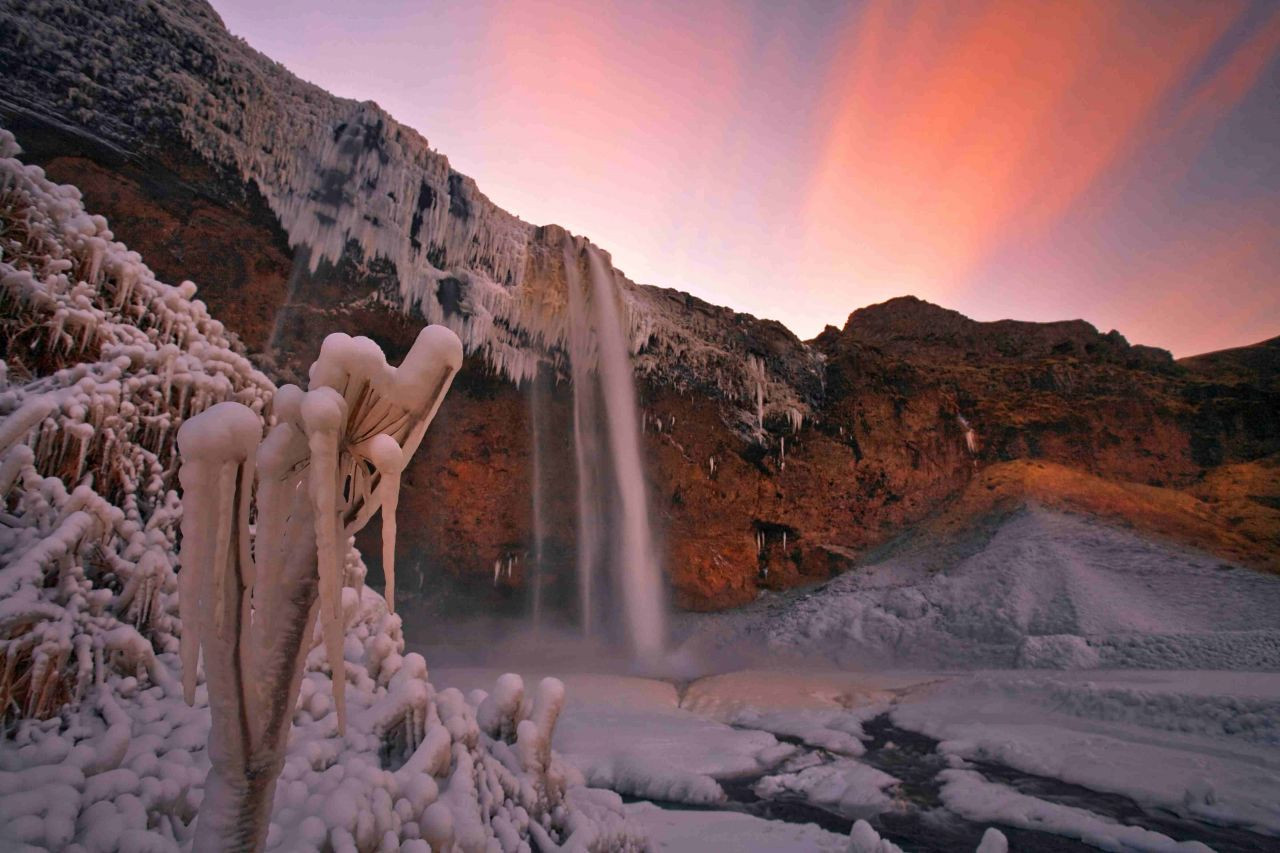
[
  {"x": 1256, "y": 364},
  {"x": 772, "y": 461}
]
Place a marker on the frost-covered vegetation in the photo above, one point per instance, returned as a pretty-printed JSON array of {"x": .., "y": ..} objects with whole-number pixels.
[
  {"x": 344, "y": 176},
  {"x": 103, "y": 366}
]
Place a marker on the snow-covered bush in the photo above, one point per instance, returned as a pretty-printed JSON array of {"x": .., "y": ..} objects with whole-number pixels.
[{"x": 102, "y": 365}]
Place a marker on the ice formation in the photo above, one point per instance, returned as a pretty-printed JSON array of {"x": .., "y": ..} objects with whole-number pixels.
[
  {"x": 104, "y": 366},
  {"x": 343, "y": 176}
]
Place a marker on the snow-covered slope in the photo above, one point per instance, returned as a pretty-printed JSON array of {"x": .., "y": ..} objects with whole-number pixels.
[{"x": 1046, "y": 589}]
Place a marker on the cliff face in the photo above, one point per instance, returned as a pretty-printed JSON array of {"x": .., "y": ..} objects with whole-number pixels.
[{"x": 771, "y": 461}]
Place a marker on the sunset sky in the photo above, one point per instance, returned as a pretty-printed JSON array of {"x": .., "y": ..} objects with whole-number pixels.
[{"x": 1114, "y": 161}]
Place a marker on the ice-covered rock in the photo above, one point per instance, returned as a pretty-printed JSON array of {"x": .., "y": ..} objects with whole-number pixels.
[{"x": 344, "y": 178}]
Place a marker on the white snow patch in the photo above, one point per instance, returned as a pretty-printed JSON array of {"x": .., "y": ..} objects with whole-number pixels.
[
  {"x": 844, "y": 786},
  {"x": 968, "y": 794},
  {"x": 731, "y": 832}
]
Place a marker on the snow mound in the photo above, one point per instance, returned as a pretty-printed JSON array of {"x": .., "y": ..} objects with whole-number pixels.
[
  {"x": 1057, "y": 651},
  {"x": 846, "y": 787},
  {"x": 1047, "y": 590}
]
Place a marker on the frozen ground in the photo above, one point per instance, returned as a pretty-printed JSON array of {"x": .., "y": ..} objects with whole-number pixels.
[
  {"x": 1135, "y": 760},
  {"x": 1067, "y": 683}
]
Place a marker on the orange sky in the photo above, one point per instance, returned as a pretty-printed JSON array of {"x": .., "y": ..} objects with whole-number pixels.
[{"x": 1110, "y": 160}]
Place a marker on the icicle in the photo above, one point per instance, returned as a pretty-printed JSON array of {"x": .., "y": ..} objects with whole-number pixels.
[
  {"x": 212, "y": 445},
  {"x": 497, "y": 570},
  {"x": 784, "y": 540},
  {"x": 970, "y": 437},
  {"x": 198, "y": 505},
  {"x": 323, "y": 414},
  {"x": 782, "y": 453},
  {"x": 226, "y": 512},
  {"x": 388, "y": 458}
]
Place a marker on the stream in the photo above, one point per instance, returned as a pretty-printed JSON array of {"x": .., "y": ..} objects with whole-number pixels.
[{"x": 918, "y": 821}]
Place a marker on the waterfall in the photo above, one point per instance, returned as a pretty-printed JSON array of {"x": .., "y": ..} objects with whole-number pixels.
[
  {"x": 537, "y": 570},
  {"x": 615, "y": 536},
  {"x": 588, "y": 455}
]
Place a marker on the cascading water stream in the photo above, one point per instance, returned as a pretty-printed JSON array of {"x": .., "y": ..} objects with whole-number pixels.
[
  {"x": 614, "y": 529},
  {"x": 588, "y": 458},
  {"x": 537, "y": 414},
  {"x": 536, "y": 407}
]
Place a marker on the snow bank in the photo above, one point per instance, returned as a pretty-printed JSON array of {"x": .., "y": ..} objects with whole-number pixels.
[
  {"x": 1047, "y": 590},
  {"x": 660, "y": 753},
  {"x": 630, "y": 735},
  {"x": 968, "y": 794},
  {"x": 678, "y": 830}
]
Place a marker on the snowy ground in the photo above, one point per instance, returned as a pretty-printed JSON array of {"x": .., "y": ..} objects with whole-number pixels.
[
  {"x": 1137, "y": 760},
  {"x": 1065, "y": 682}
]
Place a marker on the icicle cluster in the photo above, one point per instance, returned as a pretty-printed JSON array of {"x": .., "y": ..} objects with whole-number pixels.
[
  {"x": 343, "y": 443},
  {"x": 343, "y": 175}
]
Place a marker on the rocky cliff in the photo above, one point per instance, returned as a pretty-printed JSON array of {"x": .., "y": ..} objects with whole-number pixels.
[{"x": 772, "y": 461}]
